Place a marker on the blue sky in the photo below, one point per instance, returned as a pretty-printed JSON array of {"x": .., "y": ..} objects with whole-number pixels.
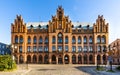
[{"x": 42, "y": 10}]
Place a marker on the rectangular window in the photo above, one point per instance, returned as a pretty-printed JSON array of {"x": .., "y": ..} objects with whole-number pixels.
[
  {"x": 53, "y": 48},
  {"x": 46, "y": 49},
  {"x": 99, "y": 48},
  {"x": 28, "y": 48},
  {"x": 73, "y": 48},
  {"x": 66, "y": 40},
  {"x": 40, "y": 49},
  {"x": 20, "y": 49},
  {"x": 91, "y": 49},
  {"x": 85, "y": 49},
  {"x": 34, "y": 49},
  {"x": 66, "y": 48},
  {"x": 79, "y": 48},
  {"x": 59, "y": 48}
]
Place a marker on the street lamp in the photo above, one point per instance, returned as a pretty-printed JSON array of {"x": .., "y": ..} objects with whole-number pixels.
[
  {"x": 110, "y": 57},
  {"x": 13, "y": 47}
]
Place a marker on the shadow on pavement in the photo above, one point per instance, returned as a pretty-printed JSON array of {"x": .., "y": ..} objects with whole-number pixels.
[
  {"x": 44, "y": 69},
  {"x": 88, "y": 69}
]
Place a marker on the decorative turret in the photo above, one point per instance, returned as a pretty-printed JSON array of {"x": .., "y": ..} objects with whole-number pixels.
[
  {"x": 18, "y": 25},
  {"x": 100, "y": 25}
]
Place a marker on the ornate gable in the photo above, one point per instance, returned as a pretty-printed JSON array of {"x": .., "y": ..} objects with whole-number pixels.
[
  {"x": 18, "y": 25},
  {"x": 100, "y": 25},
  {"x": 60, "y": 21}
]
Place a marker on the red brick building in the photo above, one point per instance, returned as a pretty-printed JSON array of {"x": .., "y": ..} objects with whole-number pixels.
[
  {"x": 115, "y": 51},
  {"x": 60, "y": 41}
]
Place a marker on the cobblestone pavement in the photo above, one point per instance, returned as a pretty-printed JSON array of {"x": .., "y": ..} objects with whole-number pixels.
[
  {"x": 36, "y": 69},
  {"x": 67, "y": 70}
]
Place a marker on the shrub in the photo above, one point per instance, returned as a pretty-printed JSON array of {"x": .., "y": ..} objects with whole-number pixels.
[
  {"x": 118, "y": 68},
  {"x": 6, "y": 63},
  {"x": 2, "y": 67}
]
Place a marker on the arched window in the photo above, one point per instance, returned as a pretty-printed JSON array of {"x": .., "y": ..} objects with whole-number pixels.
[
  {"x": 90, "y": 58},
  {"x": 73, "y": 59},
  {"x": 73, "y": 40},
  {"x": 98, "y": 39},
  {"x": 85, "y": 40},
  {"x": 40, "y": 59},
  {"x": 21, "y": 39},
  {"x": 46, "y": 40},
  {"x": 53, "y": 39},
  {"x": 66, "y": 40},
  {"x": 90, "y": 40},
  {"x": 34, "y": 40},
  {"x": 79, "y": 59},
  {"x": 98, "y": 57},
  {"x": 60, "y": 40},
  {"x": 34, "y": 59},
  {"x": 104, "y": 57},
  {"x": 66, "y": 59},
  {"x": 40, "y": 40},
  {"x": 20, "y": 59},
  {"x": 16, "y": 39},
  {"x": 53, "y": 59},
  {"x": 29, "y": 40},
  {"x": 85, "y": 59},
  {"x": 103, "y": 39},
  {"x": 46, "y": 59},
  {"x": 28, "y": 59},
  {"x": 79, "y": 40}
]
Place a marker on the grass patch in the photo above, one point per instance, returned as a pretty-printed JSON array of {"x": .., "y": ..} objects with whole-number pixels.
[
  {"x": 118, "y": 68},
  {"x": 100, "y": 68},
  {"x": 110, "y": 71}
]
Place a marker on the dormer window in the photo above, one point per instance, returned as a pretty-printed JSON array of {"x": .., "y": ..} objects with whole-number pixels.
[
  {"x": 87, "y": 26},
  {"x": 31, "y": 26},
  {"x": 39, "y": 26},
  {"x": 80, "y": 26}
]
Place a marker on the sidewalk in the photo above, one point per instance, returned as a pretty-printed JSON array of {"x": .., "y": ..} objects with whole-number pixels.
[{"x": 21, "y": 70}]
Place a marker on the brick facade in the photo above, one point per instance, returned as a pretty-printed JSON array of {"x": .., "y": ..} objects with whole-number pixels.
[{"x": 60, "y": 41}]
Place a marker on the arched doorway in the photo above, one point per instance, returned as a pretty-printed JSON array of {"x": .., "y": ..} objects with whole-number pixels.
[
  {"x": 66, "y": 59},
  {"x": 34, "y": 59},
  {"x": 46, "y": 59},
  {"x": 98, "y": 59},
  {"x": 20, "y": 59},
  {"x": 79, "y": 59},
  {"x": 73, "y": 59},
  {"x": 40, "y": 59},
  {"x": 85, "y": 59},
  {"x": 53, "y": 59},
  {"x": 91, "y": 59},
  {"x": 28, "y": 59},
  {"x": 60, "y": 59}
]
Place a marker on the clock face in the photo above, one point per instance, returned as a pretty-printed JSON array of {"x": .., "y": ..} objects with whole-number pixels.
[{"x": 60, "y": 35}]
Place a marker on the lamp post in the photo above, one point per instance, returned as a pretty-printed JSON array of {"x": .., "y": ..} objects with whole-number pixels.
[
  {"x": 13, "y": 47},
  {"x": 110, "y": 57}
]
